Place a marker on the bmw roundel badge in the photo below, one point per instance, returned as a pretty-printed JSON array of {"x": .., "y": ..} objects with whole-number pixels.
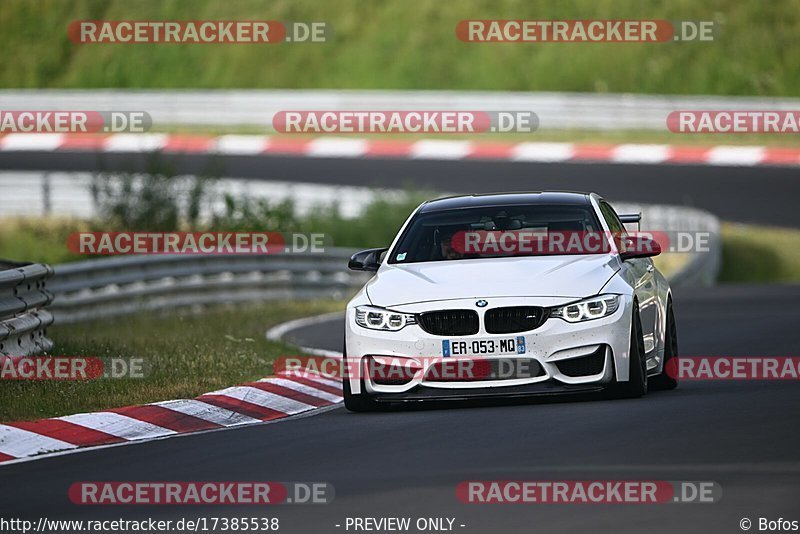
[{"x": 481, "y": 303}]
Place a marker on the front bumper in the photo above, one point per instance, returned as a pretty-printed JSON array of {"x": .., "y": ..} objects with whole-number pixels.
[{"x": 546, "y": 349}]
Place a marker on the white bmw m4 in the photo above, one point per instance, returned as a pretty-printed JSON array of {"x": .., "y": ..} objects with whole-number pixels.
[{"x": 509, "y": 295}]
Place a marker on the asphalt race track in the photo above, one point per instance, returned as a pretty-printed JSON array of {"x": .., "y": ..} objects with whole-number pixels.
[
  {"x": 742, "y": 194},
  {"x": 743, "y": 435}
]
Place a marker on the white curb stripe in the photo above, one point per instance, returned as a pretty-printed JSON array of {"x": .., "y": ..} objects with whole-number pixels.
[
  {"x": 322, "y": 380},
  {"x": 31, "y": 141},
  {"x": 207, "y": 412},
  {"x": 240, "y": 144},
  {"x": 440, "y": 149},
  {"x": 543, "y": 152},
  {"x": 135, "y": 142},
  {"x": 118, "y": 425},
  {"x": 302, "y": 388},
  {"x": 336, "y": 148},
  {"x": 641, "y": 153},
  {"x": 19, "y": 443},
  {"x": 309, "y": 375},
  {"x": 264, "y": 398},
  {"x": 733, "y": 155}
]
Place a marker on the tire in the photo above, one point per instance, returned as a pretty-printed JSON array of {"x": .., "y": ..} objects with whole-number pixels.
[
  {"x": 354, "y": 403},
  {"x": 663, "y": 381},
  {"x": 636, "y": 385}
]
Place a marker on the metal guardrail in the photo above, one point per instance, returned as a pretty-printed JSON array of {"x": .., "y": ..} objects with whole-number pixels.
[
  {"x": 558, "y": 111},
  {"x": 122, "y": 285},
  {"x": 703, "y": 267},
  {"x": 23, "y": 319}
]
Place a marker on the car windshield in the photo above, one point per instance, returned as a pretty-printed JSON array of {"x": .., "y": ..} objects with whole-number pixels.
[{"x": 500, "y": 231}]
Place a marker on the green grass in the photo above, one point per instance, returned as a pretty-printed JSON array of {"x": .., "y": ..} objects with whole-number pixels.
[
  {"x": 187, "y": 356},
  {"x": 760, "y": 254},
  {"x": 409, "y": 45},
  {"x": 39, "y": 239}
]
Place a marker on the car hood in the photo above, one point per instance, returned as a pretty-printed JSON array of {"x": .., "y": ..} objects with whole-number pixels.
[{"x": 541, "y": 276}]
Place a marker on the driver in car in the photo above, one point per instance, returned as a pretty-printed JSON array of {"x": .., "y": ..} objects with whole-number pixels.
[{"x": 446, "y": 246}]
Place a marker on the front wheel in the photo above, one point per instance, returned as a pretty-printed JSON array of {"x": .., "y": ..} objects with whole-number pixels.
[
  {"x": 636, "y": 386},
  {"x": 663, "y": 381}
]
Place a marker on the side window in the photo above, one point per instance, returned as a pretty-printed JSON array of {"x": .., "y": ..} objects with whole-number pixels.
[{"x": 612, "y": 219}]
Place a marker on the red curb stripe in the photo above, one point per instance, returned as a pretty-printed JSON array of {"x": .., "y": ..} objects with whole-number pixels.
[
  {"x": 688, "y": 154},
  {"x": 313, "y": 384},
  {"x": 491, "y": 151},
  {"x": 289, "y": 393},
  {"x": 68, "y": 432},
  {"x": 782, "y": 156},
  {"x": 188, "y": 143},
  {"x": 166, "y": 418},
  {"x": 593, "y": 152},
  {"x": 287, "y": 146},
  {"x": 377, "y": 149},
  {"x": 83, "y": 142},
  {"x": 6, "y": 457},
  {"x": 243, "y": 407}
]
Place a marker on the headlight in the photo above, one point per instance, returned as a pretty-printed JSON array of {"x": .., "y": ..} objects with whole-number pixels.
[
  {"x": 586, "y": 310},
  {"x": 381, "y": 319}
]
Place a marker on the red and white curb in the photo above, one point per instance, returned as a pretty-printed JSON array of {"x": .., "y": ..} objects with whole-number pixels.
[
  {"x": 268, "y": 399},
  {"x": 428, "y": 149}
]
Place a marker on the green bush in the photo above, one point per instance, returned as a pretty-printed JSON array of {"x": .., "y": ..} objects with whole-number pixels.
[
  {"x": 376, "y": 226},
  {"x": 157, "y": 200},
  {"x": 255, "y": 215}
]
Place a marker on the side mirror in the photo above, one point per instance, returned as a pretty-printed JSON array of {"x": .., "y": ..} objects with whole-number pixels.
[
  {"x": 638, "y": 246},
  {"x": 366, "y": 260}
]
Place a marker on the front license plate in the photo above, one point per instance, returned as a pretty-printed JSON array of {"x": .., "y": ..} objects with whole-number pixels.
[{"x": 484, "y": 347}]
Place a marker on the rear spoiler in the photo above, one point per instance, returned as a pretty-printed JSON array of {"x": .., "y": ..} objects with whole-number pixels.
[{"x": 632, "y": 218}]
